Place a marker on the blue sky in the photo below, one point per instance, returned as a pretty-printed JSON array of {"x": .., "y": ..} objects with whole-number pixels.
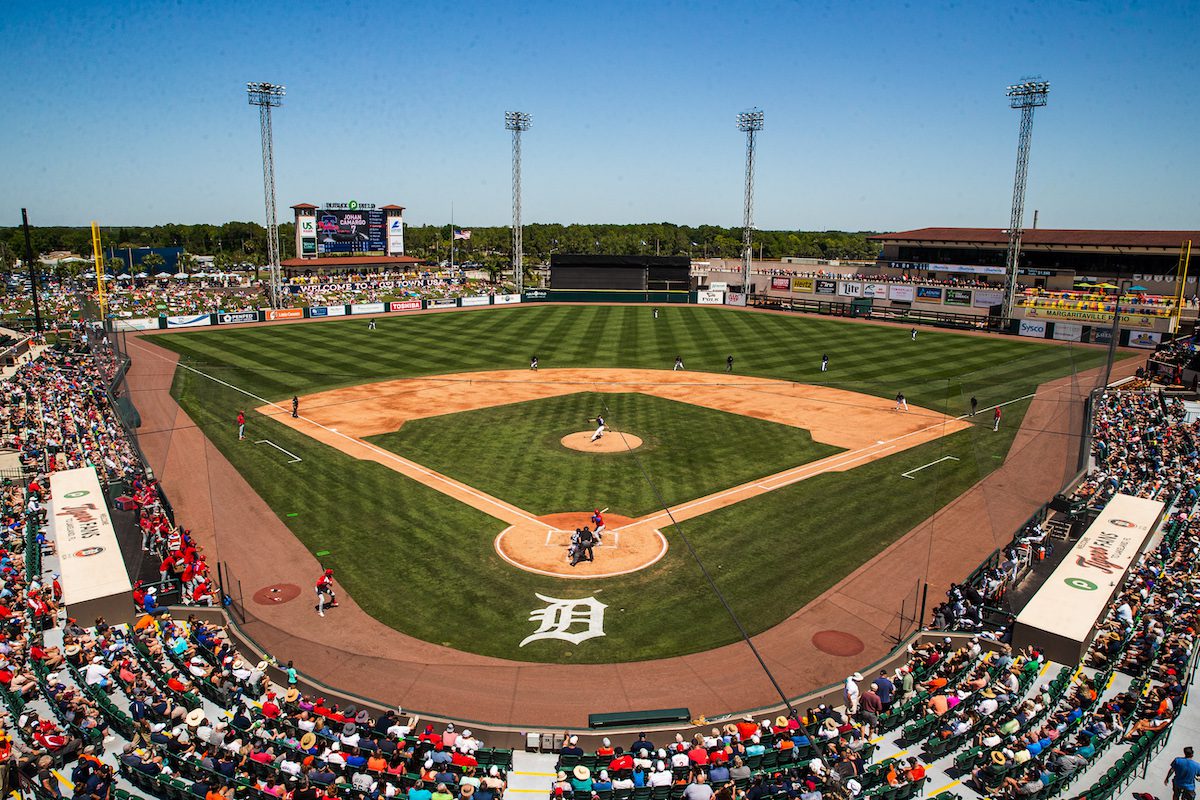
[{"x": 878, "y": 115}]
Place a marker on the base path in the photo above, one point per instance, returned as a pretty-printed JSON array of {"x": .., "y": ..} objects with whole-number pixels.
[{"x": 842, "y": 630}]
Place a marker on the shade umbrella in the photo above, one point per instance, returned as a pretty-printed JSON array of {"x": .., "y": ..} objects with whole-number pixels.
[
  {"x": 199, "y": 275},
  {"x": 1105, "y": 286},
  {"x": 124, "y": 277},
  {"x": 1083, "y": 284},
  {"x": 162, "y": 276},
  {"x": 143, "y": 275},
  {"x": 180, "y": 276},
  {"x": 1138, "y": 289}
]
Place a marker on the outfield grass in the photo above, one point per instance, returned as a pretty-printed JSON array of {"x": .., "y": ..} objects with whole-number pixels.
[
  {"x": 688, "y": 451},
  {"x": 396, "y": 543}
]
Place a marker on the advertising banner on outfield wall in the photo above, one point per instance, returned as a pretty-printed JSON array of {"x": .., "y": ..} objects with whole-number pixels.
[
  {"x": 958, "y": 297},
  {"x": 475, "y": 300},
  {"x": 283, "y": 313},
  {"x": 850, "y": 289},
  {"x": 1068, "y": 331},
  {"x": 405, "y": 305},
  {"x": 327, "y": 311},
  {"x": 1034, "y": 328},
  {"x": 234, "y": 317},
  {"x": 735, "y": 299},
  {"x": 986, "y": 298},
  {"x": 138, "y": 324},
  {"x": 707, "y": 297},
  {"x": 901, "y": 294},
  {"x": 450, "y": 302},
  {"x": 929, "y": 294},
  {"x": 879, "y": 291},
  {"x": 190, "y": 321},
  {"x": 505, "y": 299},
  {"x": 367, "y": 308},
  {"x": 1144, "y": 339},
  {"x": 826, "y": 287},
  {"x": 804, "y": 285},
  {"x": 781, "y": 284}
]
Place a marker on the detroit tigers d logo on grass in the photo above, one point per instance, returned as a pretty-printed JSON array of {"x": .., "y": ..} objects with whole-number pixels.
[{"x": 560, "y": 615}]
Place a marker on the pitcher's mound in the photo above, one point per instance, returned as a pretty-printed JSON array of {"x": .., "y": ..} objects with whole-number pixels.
[{"x": 610, "y": 442}]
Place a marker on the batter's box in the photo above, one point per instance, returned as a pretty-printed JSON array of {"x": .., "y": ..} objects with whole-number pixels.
[{"x": 540, "y": 545}]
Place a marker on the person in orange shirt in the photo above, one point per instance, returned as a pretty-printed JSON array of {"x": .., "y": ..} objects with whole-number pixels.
[{"x": 916, "y": 770}]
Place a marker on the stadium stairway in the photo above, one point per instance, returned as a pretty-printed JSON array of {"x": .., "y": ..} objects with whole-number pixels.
[{"x": 532, "y": 774}]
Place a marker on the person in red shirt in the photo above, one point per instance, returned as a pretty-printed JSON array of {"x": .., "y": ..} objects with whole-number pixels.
[
  {"x": 325, "y": 592},
  {"x": 269, "y": 709},
  {"x": 241, "y": 423}
]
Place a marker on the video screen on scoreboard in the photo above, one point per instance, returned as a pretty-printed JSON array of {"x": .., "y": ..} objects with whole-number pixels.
[{"x": 344, "y": 231}]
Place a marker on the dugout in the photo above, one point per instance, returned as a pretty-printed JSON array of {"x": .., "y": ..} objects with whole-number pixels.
[{"x": 621, "y": 273}]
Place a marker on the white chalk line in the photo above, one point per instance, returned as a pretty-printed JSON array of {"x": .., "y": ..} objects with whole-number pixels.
[
  {"x": 295, "y": 458},
  {"x": 909, "y": 474},
  {"x": 377, "y": 450}
]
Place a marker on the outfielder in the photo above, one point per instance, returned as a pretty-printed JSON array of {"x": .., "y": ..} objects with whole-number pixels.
[{"x": 599, "y": 429}]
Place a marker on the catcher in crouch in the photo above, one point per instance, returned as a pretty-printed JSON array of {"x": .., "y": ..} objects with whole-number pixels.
[{"x": 600, "y": 428}]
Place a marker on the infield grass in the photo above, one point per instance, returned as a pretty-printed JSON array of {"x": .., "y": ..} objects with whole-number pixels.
[
  {"x": 513, "y": 452},
  {"x": 396, "y": 544}
]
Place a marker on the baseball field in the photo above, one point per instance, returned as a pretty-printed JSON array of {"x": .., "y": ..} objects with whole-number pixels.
[{"x": 427, "y": 464}]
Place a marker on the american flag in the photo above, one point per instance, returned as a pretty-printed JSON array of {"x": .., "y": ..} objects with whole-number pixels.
[{"x": 461, "y": 234}]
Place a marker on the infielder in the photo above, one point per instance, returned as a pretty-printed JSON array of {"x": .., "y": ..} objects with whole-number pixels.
[
  {"x": 901, "y": 402},
  {"x": 599, "y": 428},
  {"x": 533, "y": 365},
  {"x": 996, "y": 419},
  {"x": 678, "y": 363},
  {"x": 325, "y": 591}
]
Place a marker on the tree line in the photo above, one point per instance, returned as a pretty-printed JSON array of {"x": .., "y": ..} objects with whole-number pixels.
[{"x": 245, "y": 242}]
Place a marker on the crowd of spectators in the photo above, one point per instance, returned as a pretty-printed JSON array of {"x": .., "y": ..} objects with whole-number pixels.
[{"x": 328, "y": 290}]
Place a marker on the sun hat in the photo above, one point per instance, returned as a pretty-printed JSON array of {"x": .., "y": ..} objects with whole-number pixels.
[
  {"x": 292, "y": 695},
  {"x": 349, "y": 729},
  {"x": 467, "y": 790},
  {"x": 581, "y": 772},
  {"x": 781, "y": 721},
  {"x": 308, "y": 740},
  {"x": 362, "y": 717},
  {"x": 261, "y": 666},
  {"x": 997, "y": 758},
  {"x": 562, "y": 776},
  {"x": 195, "y": 717},
  {"x": 857, "y": 676}
]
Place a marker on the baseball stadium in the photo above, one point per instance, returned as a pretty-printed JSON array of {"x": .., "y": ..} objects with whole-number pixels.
[
  {"x": 535, "y": 522},
  {"x": 361, "y": 510}
]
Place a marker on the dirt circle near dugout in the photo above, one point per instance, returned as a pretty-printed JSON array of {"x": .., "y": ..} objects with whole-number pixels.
[
  {"x": 540, "y": 546},
  {"x": 610, "y": 442}
]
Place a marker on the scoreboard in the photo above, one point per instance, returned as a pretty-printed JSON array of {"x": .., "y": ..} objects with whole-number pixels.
[{"x": 343, "y": 230}]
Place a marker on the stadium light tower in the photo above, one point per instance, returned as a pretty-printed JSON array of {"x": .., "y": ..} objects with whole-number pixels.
[
  {"x": 751, "y": 122},
  {"x": 1026, "y": 96},
  {"x": 267, "y": 96},
  {"x": 517, "y": 122}
]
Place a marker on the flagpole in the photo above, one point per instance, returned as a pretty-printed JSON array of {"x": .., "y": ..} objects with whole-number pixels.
[{"x": 452, "y": 240}]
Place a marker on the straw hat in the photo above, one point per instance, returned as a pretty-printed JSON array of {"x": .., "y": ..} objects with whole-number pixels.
[
  {"x": 781, "y": 721},
  {"x": 308, "y": 740},
  {"x": 998, "y": 758},
  {"x": 292, "y": 695},
  {"x": 195, "y": 717},
  {"x": 581, "y": 772}
]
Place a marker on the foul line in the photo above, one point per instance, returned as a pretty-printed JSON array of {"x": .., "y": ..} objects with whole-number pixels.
[
  {"x": 433, "y": 476},
  {"x": 295, "y": 458},
  {"x": 909, "y": 474}
]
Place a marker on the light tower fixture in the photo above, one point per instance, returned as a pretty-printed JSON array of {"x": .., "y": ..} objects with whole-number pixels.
[
  {"x": 518, "y": 122},
  {"x": 267, "y": 96},
  {"x": 1025, "y": 96},
  {"x": 751, "y": 122}
]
